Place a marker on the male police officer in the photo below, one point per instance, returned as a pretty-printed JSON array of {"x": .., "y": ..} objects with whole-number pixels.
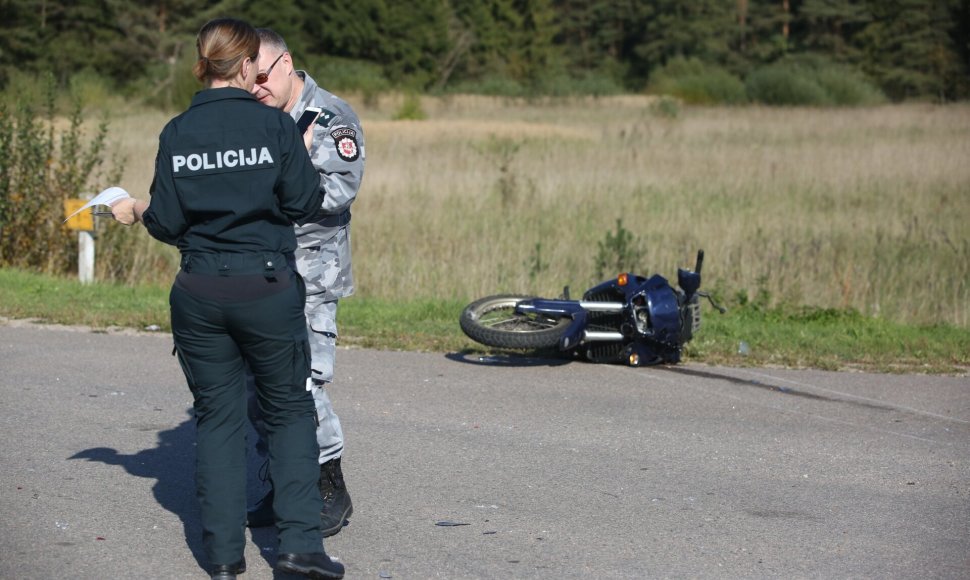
[{"x": 323, "y": 256}]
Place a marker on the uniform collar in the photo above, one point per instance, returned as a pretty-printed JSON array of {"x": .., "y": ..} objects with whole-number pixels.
[
  {"x": 221, "y": 94},
  {"x": 309, "y": 90}
]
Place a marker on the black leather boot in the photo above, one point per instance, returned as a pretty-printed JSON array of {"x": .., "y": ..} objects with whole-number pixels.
[
  {"x": 317, "y": 566},
  {"x": 227, "y": 571},
  {"x": 337, "y": 506}
]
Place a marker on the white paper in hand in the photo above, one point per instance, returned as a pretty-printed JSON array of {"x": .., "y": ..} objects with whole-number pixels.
[{"x": 107, "y": 197}]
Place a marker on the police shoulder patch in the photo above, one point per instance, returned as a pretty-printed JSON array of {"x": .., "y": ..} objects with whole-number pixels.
[{"x": 345, "y": 139}]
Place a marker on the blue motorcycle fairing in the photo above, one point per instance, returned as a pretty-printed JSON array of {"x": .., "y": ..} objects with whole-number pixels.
[
  {"x": 664, "y": 310},
  {"x": 688, "y": 281},
  {"x": 548, "y": 306}
]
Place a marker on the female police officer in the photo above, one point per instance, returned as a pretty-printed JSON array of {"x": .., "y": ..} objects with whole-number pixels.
[{"x": 231, "y": 177}]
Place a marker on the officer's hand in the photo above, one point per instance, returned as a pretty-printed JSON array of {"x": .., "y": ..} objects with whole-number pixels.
[
  {"x": 124, "y": 211},
  {"x": 308, "y": 134}
]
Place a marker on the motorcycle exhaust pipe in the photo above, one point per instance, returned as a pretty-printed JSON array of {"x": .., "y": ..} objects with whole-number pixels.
[
  {"x": 602, "y": 336},
  {"x": 602, "y": 306}
]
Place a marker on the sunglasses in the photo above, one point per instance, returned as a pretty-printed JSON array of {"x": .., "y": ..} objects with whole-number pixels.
[{"x": 262, "y": 77}]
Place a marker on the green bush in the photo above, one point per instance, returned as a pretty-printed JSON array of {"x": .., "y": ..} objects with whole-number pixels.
[
  {"x": 784, "y": 85},
  {"x": 30, "y": 88},
  {"x": 811, "y": 80},
  {"x": 495, "y": 86},
  {"x": 410, "y": 109},
  {"x": 40, "y": 167},
  {"x": 695, "y": 82},
  {"x": 93, "y": 91},
  {"x": 619, "y": 252},
  {"x": 848, "y": 87},
  {"x": 591, "y": 83},
  {"x": 342, "y": 75},
  {"x": 173, "y": 84},
  {"x": 666, "y": 107}
]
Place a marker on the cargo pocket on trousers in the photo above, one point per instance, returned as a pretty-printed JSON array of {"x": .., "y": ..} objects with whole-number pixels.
[
  {"x": 301, "y": 364},
  {"x": 177, "y": 351}
]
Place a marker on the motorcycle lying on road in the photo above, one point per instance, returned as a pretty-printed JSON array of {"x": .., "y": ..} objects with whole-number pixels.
[{"x": 632, "y": 319}]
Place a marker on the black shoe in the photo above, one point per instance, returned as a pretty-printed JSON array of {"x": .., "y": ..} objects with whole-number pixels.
[
  {"x": 262, "y": 513},
  {"x": 337, "y": 507},
  {"x": 228, "y": 571},
  {"x": 317, "y": 566}
]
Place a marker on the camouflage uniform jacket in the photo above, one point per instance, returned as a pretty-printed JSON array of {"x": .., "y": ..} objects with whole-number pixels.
[{"x": 323, "y": 257}]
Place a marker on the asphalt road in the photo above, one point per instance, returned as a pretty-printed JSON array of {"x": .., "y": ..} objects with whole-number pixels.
[{"x": 553, "y": 470}]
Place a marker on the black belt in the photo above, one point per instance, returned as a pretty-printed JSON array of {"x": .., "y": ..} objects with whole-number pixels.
[
  {"x": 237, "y": 264},
  {"x": 335, "y": 221}
]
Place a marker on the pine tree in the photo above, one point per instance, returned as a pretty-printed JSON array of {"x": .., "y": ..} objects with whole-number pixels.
[
  {"x": 765, "y": 31},
  {"x": 602, "y": 35},
  {"x": 830, "y": 26},
  {"x": 909, "y": 49},
  {"x": 703, "y": 29},
  {"x": 507, "y": 39}
]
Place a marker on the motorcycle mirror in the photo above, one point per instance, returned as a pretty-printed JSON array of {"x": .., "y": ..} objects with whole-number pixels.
[{"x": 688, "y": 281}]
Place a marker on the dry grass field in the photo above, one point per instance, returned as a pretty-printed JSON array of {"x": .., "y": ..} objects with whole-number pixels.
[{"x": 860, "y": 208}]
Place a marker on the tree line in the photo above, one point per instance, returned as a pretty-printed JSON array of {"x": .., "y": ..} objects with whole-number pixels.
[{"x": 904, "y": 49}]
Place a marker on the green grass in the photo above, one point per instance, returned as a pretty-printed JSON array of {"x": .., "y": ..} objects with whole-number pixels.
[
  {"x": 845, "y": 208},
  {"x": 791, "y": 337},
  {"x": 58, "y": 300},
  {"x": 829, "y": 339}
]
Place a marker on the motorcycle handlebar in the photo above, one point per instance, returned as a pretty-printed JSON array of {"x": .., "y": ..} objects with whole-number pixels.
[{"x": 700, "y": 261}]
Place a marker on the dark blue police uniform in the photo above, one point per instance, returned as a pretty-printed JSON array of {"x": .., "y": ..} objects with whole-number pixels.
[{"x": 231, "y": 178}]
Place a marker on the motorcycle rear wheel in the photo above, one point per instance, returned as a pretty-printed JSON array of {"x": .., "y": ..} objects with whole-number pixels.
[{"x": 492, "y": 321}]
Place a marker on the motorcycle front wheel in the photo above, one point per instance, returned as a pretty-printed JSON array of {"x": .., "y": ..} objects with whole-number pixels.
[{"x": 493, "y": 321}]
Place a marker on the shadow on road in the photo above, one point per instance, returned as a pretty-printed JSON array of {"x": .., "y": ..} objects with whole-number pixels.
[
  {"x": 773, "y": 387},
  {"x": 531, "y": 359},
  {"x": 172, "y": 464}
]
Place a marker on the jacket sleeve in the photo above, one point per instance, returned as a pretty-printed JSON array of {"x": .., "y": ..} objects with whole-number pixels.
[
  {"x": 164, "y": 218},
  {"x": 298, "y": 187},
  {"x": 338, "y": 156}
]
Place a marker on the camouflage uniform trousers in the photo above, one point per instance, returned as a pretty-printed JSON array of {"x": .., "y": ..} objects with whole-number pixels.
[
  {"x": 326, "y": 271},
  {"x": 322, "y": 330}
]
